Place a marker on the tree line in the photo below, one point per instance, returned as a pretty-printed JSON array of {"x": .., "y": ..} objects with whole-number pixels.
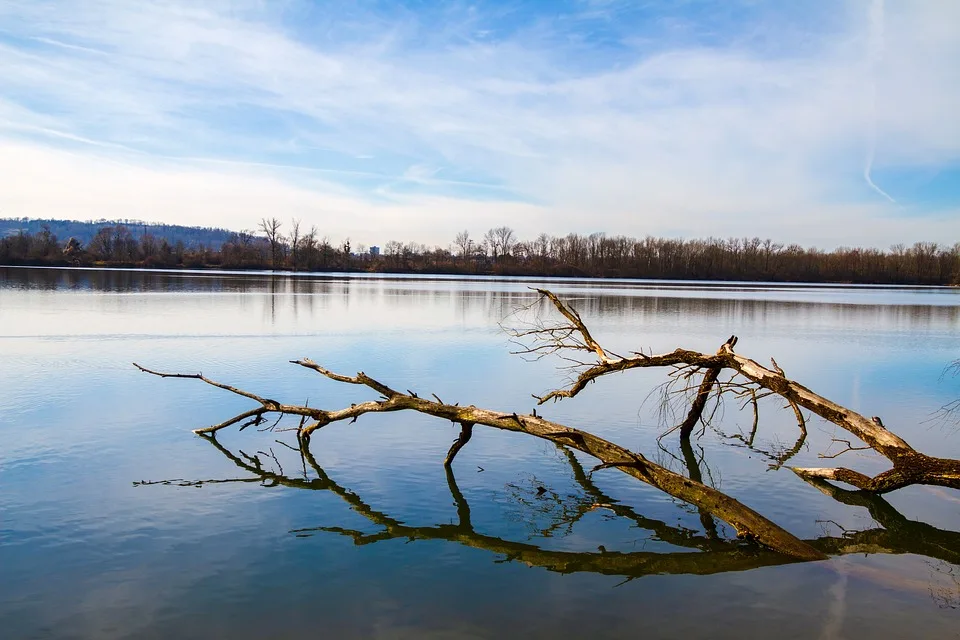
[
  {"x": 277, "y": 246},
  {"x": 85, "y": 230}
]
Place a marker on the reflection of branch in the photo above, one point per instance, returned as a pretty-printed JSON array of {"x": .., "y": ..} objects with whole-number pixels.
[
  {"x": 693, "y": 468},
  {"x": 716, "y": 556},
  {"x": 181, "y": 482},
  {"x": 785, "y": 454},
  {"x": 722, "y": 556},
  {"x": 678, "y": 536},
  {"x": 777, "y": 458},
  {"x": 463, "y": 509},
  {"x": 947, "y": 596},
  {"x": 850, "y": 447},
  {"x": 899, "y": 534}
]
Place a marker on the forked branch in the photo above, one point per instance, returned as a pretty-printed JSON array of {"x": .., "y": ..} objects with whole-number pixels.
[{"x": 909, "y": 465}]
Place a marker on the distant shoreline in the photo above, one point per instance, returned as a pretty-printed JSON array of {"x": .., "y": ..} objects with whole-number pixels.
[{"x": 499, "y": 253}]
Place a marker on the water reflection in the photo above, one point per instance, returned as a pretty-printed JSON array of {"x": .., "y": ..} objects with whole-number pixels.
[
  {"x": 280, "y": 300},
  {"x": 709, "y": 553}
]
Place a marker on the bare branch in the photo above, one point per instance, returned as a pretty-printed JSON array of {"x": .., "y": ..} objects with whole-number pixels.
[
  {"x": 745, "y": 521},
  {"x": 910, "y": 466},
  {"x": 360, "y": 378},
  {"x": 700, "y": 402},
  {"x": 571, "y": 314},
  {"x": 850, "y": 447},
  {"x": 466, "y": 432},
  {"x": 266, "y": 404},
  {"x": 197, "y": 376},
  {"x": 678, "y": 357}
]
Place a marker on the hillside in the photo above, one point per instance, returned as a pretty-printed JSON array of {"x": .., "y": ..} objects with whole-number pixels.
[{"x": 192, "y": 237}]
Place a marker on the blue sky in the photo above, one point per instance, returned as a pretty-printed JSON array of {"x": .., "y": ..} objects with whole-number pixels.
[{"x": 824, "y": 122}]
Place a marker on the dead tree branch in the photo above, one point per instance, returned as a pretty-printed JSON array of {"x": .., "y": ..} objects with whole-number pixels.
[
  {"x": 700, "y": 402},
  {"x": 745, "y": 521},
  {"x": 466, "y": 432},
  {"x": 909, "y": 465}
]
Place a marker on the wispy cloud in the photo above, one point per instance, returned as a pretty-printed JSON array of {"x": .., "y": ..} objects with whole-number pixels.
[
  {"x": 676, "y": 118},
  {"x": 875, "y": 45}
]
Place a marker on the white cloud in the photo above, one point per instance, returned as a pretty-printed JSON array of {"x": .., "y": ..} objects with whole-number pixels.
[
  {"x": 55, "y": 183},
  {"x": 453, "y": 130}
]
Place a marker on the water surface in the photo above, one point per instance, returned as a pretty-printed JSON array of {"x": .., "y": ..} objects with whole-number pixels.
[{"x": 369, "y": 537}]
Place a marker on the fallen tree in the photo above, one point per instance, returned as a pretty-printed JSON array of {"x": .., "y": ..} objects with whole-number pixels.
[{"x": 749, "y": 380}]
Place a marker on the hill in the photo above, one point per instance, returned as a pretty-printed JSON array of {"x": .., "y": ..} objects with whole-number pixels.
[{"x": 192, "y": 237}]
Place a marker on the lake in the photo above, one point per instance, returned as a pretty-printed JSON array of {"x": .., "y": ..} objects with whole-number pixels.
[{"x": 116, "y": 521}]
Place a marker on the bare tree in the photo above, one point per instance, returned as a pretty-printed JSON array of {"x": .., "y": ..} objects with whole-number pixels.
[
  {"x": 295, "y": 243},
  {"x": 500, "y": 240},
  {"x": 308, "y": 249},
  {"x": 541, "y": 247},
  {"x": 271, "y": 229},
  {"x": 463, "y": 244},
  {"x": 101, "y": 245},
  {"x": 592, "y": 255}
]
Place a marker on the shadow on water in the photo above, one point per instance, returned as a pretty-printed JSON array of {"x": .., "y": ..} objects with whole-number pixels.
[{"x": 709, "y": 553}]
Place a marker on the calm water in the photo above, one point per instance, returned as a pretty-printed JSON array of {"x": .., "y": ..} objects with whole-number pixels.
[{"x": 370, "y": 538}]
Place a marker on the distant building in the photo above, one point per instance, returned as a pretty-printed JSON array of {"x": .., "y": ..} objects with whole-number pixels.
[{"x": 374, "y": 251}]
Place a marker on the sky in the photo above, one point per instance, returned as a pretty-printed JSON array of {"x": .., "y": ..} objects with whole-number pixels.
[{"x": 824, "y": 122}]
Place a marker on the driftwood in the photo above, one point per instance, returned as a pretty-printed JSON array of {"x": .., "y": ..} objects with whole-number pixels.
[{"x": 752, "y": 381}]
